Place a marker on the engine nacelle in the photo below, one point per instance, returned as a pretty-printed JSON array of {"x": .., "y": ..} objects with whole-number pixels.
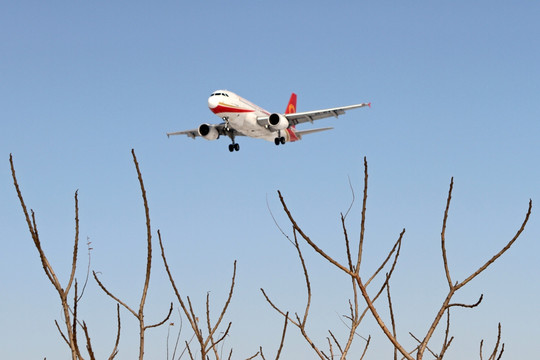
[
  {"x": 209, "y": 132},
  {"x": 278, "y": 122}
]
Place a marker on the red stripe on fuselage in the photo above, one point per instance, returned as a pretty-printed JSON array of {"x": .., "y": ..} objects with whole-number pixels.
[{"x": 229, "y": 109}]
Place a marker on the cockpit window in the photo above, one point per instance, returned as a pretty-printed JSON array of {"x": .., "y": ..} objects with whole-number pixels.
[{"x": 218, "y": 94}]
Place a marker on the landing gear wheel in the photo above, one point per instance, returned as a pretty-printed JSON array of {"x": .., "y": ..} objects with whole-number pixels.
[
  {"x": 231, "y": 147},
  {"x": 236, "y": 147},
  {"x": 277, "y": 141},
  {"x": 282, "y": 140}
]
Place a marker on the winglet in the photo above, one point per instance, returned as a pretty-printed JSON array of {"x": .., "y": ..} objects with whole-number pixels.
[{"x": 369, "y": 104}]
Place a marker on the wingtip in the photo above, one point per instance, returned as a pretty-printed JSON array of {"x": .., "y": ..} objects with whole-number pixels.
[{"x": 369, "y": 105}]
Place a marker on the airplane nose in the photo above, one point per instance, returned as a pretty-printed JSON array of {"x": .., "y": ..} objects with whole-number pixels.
[{"x": 213, "y": 102}]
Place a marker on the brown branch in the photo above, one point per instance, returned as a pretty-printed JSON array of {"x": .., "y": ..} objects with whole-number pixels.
[
  {"x": 443, "y": 233},
  {"x": 282, "y": 337},
  {"x": 466, "y": 305},
  {"x": 224, "y": 310},
  {"x": 278, "y": 309},
  {"x": 253, "y": 356},
  {"x": 140, "y": 315},
  {"x": 115, "y": 298},
  {"x": 76, "y": 244},
  {"x": 74, "y": 325},
  {"x": 162, "y": 321},
  {"x": 503, "y": 250},
  {"x": 115, "y": 349},
  {"x": 189, "y": 351},
  {"x": 366, "y": 347},
  {"x": 61, "y": 333},
  {"x": 363, "y": 221},
  {"x": 446, "y": 342},
  {"x": 496, "y": 348},
  {"x": 419, "y": 343},
  {"x": 191, "y": 318},
  {"x": 308, "y": 240},
  {"x": 88, "y": 342},
  {"x": 391, "y": 315},
  {"x": 337, "y": 343},
  {"x": 455, "y": 287},
  {"x": 379, "y": 320},
  {"x": 301, "y": 324},
  {"x": 47, "y": 268},
  {"x": 347, "y": 244},
  {"x": 397, "y": 246}
]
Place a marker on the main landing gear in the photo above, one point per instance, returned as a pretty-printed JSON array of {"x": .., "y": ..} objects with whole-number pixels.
[
  {"x": 280, "y": 139},
  {"x": 234, "y": 147}
]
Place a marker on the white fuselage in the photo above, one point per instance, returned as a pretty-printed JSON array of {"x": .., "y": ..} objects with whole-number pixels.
[{"x": 241, "y": 115}]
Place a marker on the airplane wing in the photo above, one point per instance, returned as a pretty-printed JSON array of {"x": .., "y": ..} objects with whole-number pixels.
[
  {"x": 191, "y": 133},
  {"x": 302, "y": 117},
  {"x": 222, "y": 130}
]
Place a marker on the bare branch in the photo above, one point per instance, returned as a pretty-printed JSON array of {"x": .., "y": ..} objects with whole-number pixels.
[
  {"x": 363, "y": 222},
  {"x": 224, "y": 310},
  {"x": 115, "y": 349},
  {"x": 391, "y": 314},
  {"x": 253, "y": 356},
  {"x": 113, "y": 296},
  {"x": 337, "y": 343},
  {"x": 379, "y": 320},
  {"x": 88, "y": 342},
  {"x": 443, "y": 233},
  {"x": 496, "y": 348},
  {"x": 308, "y": 240},
  {"x": 76, "y": 243},
  {"x": 282, "y": 336},
  {"x": 191, "y": 318},
  {"x": 162, "y": 321},
  {"x": 366, "y": 347},
  {"x": 61, "y": 333},
  {"x": 419, "y": 342},
  {"x": 468, "y": 306},
  {"x": 189, "y": 351},
  {"x": 446, "y": 342},
  {"x": 503, "y": 250},
  {"x": 397, "y": 246}
]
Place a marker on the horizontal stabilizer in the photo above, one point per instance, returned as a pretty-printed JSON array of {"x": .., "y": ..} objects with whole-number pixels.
[{"x": 299, "y": 133}]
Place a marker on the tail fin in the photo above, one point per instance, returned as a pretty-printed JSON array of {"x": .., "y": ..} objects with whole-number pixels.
[{"x": 291, "y": 107}]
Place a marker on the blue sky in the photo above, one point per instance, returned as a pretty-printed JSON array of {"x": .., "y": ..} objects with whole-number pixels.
[{"x": 454, "y": 90}]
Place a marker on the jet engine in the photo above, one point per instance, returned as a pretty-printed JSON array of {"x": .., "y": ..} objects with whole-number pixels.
[
  {"x": 209, "y": 132},
  {"x": 278, "y": 122}
]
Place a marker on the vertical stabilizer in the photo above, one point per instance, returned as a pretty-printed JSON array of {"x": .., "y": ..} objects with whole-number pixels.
[{"x": 291, "y": 107}]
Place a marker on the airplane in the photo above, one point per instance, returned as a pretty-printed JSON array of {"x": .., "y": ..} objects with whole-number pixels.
[{"x": 243, "y": 118}]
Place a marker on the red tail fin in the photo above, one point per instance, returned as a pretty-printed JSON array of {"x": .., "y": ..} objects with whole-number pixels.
[{"x": 291, "y": 107}]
